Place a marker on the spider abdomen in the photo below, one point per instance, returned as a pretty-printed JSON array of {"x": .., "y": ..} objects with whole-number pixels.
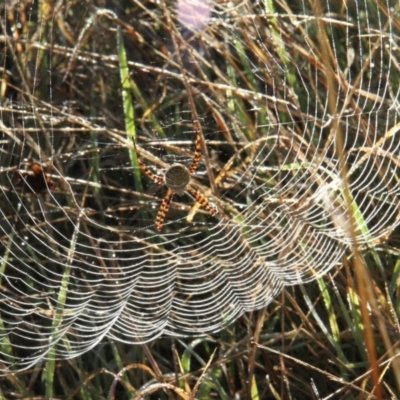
[{"x": 177, "y": 178}]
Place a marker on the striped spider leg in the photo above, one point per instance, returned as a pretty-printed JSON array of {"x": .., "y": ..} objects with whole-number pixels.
[{"x": 177, "y": 179}]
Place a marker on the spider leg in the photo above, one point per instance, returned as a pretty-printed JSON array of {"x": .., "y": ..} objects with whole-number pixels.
[
  {"x": 153, "y": 177},
  {"x": 197, "y": 153},
  {"x": 202, "y": 200},
  {"x": 162, "y": 212}
]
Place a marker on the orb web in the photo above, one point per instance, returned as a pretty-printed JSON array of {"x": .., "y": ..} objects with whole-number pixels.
[{"x": 81, "y": 259}]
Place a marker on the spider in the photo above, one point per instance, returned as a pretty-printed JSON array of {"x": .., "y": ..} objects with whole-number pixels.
[
  {"x": 177, "y": 180},
  {"x": 36, "y": 181}
]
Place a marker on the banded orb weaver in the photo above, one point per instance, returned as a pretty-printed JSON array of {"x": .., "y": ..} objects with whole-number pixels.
[{"x": 177, "y": 179}]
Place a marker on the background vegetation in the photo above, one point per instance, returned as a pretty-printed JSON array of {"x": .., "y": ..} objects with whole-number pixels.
[{"x": 82, "y": 80}]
